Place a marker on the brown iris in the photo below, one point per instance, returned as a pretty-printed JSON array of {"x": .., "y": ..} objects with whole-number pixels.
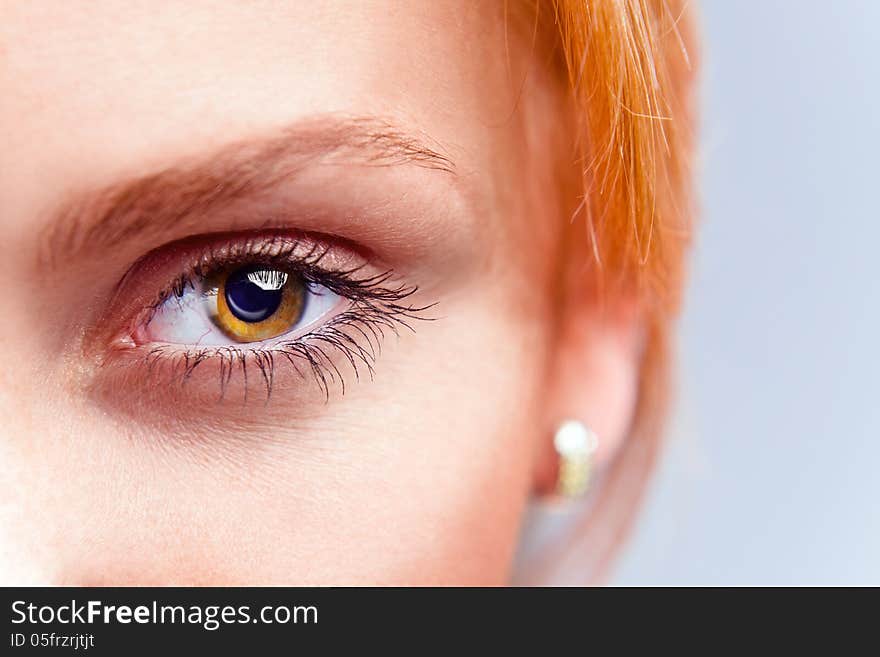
[{"x": 256, "y": 303}]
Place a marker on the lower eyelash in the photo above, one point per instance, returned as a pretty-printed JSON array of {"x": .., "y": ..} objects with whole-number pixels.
[{"x": 356, "y": 334}]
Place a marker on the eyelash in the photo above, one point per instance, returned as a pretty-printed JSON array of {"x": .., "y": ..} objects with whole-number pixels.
[{"x": 377, "y": 305}]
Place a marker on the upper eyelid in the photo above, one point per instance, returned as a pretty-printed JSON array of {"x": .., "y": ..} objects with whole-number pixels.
[
  {"x": 272, "y": 250},
  {"x": 201, "y": 252}
]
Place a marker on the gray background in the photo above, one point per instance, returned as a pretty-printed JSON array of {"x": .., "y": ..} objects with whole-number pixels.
[{"x": 772, "y": 471}]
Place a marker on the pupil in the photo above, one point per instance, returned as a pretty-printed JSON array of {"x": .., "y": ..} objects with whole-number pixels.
[{"x": 251, "y": 294}]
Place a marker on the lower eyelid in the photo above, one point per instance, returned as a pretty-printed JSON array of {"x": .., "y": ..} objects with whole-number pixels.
[
  {"x": 347, "y": 342},
  {"x": 253, "y": 371},
  {"x": 195, "y": 396}
]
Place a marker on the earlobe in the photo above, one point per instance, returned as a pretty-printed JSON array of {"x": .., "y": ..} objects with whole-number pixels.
[{"x": 593, "y": 380}]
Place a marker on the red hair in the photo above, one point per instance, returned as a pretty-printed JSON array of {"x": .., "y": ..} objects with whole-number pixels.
[{"x": 628, "y": 70}]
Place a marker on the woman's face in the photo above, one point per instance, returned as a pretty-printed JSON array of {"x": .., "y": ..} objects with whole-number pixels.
[{"x": 372, "y": 167}]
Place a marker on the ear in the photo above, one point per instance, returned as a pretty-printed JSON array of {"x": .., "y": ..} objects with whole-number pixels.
[{"x": 593, "y": 378}]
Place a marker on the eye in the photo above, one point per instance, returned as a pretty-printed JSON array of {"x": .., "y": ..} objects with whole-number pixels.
[
  {"x": 222, "y": 305},
  {"x": 239, "y": 304}
]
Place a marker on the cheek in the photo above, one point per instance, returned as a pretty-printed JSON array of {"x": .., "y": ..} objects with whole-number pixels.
[{"x": 420, "y": 476}]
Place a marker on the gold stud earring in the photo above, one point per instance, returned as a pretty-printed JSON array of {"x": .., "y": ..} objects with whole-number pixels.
[{"x": 575, "y": 445}]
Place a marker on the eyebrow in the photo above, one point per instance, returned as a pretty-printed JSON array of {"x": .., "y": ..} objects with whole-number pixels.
[{"x": 130, "y": 210}]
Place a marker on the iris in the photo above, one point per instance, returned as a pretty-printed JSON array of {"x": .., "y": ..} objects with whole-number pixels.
[
  {"x": 254, "y": 295},
  {"x": 257, "y": 302}
]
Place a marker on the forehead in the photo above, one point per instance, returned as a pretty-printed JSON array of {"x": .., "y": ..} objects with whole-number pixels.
[{"x": 104, "y": 89}]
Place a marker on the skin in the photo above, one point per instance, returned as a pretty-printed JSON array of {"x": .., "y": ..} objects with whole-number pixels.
[{"x": 418, "y": 476}]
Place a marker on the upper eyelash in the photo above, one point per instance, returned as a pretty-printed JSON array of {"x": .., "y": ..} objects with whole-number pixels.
[
  {"x": 376, "y": 306},
  {"x": 273, "y": 251}
]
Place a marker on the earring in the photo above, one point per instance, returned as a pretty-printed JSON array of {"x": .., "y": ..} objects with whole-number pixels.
[{"x": 575, "y": 444}]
